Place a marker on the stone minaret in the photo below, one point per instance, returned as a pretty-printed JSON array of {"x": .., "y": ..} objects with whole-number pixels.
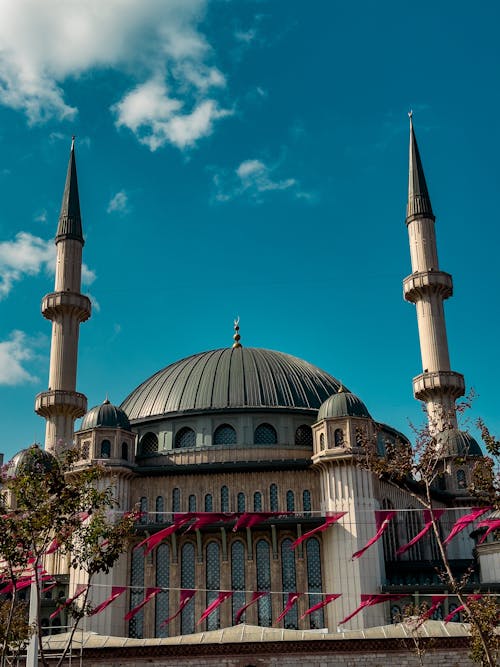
[
  {"x": 66, "y": 308},
  {"x": 427, "y": 287}
]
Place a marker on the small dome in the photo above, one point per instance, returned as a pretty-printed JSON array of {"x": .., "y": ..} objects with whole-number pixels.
[
  {"x": 32, "y": 460},
  {"x": 458, "y": 443},
  {"x": 343, "y": 404},
  {"x": 105, "y": 415}
]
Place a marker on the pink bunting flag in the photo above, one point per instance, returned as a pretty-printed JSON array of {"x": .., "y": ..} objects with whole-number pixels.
[
  {"x": 256, "y": 595},
  {"x": 382, "y": 518},
  {"x": 249, "y": 519},
  {"x": 202, "y": 519},
  {"x": 436, "y": 600},
  {"x": 79, "y": 590},
  {"x": 292, "y": 600},
  {"x": 185, "y": 596},
  {"x": 320, "y": 605},
  {"x": 428, "y": 525},
  {"x": 150, "y": 593},
  {"x": 153, "y": 540},
  {"x": 53, "y": 546},
  {"x": 491, "y": 525},
  {"x": 329, "y": 521},
  {"x": 464, "y": 521},
  {"x": 471, "y": 598},
  {"x": 370, "y": 600},
  {"x": 116, "y": 591},
  {"x": 223, "y": 595}
]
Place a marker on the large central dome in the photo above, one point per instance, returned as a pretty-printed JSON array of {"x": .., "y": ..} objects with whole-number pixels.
[{"x": 231, "y": 378}]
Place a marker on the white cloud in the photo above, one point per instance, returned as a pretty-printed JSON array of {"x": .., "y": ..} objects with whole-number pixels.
[
  {"x": 28, "y": 255},
  {"x": 118, "y": 203},
  {"x": 41, "y": 216},
  {"x": 158, "y": 44},
  {"x": 13, "y": 352}
]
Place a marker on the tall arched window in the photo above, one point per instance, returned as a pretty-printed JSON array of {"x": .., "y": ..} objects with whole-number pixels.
[
  {"x": 273, "y": 497},
  {"x": 186, "y": 437},
  {"x": 241, "y": 504},
  {"x": 257, "y": 501},
  {"x": 149, "y": 443},
  {"x": 224, "y": 435},
  {"x": 338, "y": 437},
  {"x": 306, "y": 500},
  {"x": 176, "y": 500},
  {"x": 265, "y": 434},
  {"x": 159, "y": 506},
  {"x": 314, "y": 582},
  {"x": 263, "y": 582},
  {"x": 213, "y": 582},
  {"x": 237, "y": 577},
  {"x": 209, "y": 504},
  {"x": 304, "y": 436},
  {"x": 136, "y": 624},
  {"x": 290, "y": 501},
  {"x": 390, "y": 537},
  {"x": 125, "y": 451},
  {"x": 187, "y": 581},
  {"x": 224, "y": 499},
  {"x": 163, "y": 582},
  {"x": 192, "y": 503},
  {"x": 105, "y": 449},
  {"x": 143, "y": 505},
  {"x": 413, "y": 527},
  {"x": 322, "y": 440},
  {"x": 289, "y": 581},
  {"x": 461, "y": 479}
]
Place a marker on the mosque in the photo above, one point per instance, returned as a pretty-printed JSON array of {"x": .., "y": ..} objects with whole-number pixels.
[{"x": 247, "y": 432}]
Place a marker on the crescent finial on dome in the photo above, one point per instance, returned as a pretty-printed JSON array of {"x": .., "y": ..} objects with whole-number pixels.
[{"x": 237, "y": 336}]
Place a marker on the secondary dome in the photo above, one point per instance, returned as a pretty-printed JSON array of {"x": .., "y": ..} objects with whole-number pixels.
[
  {"x": 343, "y": 404},
  {"x": 32, "y": 461},
  {"x": 458, "y": 443},
  {"x": 105, "y": 415},
  {"x": 231, "y": 378}
]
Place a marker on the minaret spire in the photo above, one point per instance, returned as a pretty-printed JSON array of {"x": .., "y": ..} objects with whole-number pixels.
[
  {"x": 427, "y": 287},
  {"x": 66, "y": 307}
]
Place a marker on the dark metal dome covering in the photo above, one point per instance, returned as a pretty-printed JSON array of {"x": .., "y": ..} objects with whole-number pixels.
[
  {"x": 343, "y": 404},
  {"x": 231, "y": 378},
  {"x": 458, "y": 443},
  {"x": 31, "y": 461},
  {"x": 105, "y": 415}
]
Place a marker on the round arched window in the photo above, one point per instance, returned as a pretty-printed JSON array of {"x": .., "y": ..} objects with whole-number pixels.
[
  {"x": 149, "y": 443},
  {"x": 265, "y": 434},
  {"x": 105, "y": 449},
  {"x": 224, "y": 435},
  {"x": 185, "y": 438},
  {"x": 304, "y": 436}
]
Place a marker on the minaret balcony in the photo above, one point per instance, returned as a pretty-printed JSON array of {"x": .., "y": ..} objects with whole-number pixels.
[
  {"x": 427, "y": 385},
  {"x": 421, "y": 283},
  {"x": 57, "y": 303},
  {"x": 61, "y": 401}
]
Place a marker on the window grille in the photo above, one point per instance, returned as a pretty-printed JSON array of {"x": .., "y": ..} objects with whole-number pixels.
[
  {"x": 224, "y": 435},
  {"x": 265, "y": 434}
]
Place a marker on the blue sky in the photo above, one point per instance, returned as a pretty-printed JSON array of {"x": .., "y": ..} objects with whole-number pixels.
[{"x": 247, "y": 157}]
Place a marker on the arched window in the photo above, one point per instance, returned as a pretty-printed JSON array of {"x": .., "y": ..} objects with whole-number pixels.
[
  {"x": 224, "y": 435},
  {"x": 456, "y": 617},
  {"x": 396, "y": 616},
  {"x": 390, "y": 537},
  {"x": 187, "y": 581},
  {"x": 263, "y": 582},
  {"x": 176, "y": 500},
  {"x": 105, "y": 449},
  {"x": 163, "y": 582},
  {"x": 461, "y": 479},
  {"x": 338, "y": 437},
  {"x": 265, "y": 434},
  {"x": 149, "y": 443},
  {"x": 273, "y": 497},
  {"x": 241, "y": 504},
  {"x": 143, "y": 507},
  {"x": 237, "y": 577},
  {"x": 290, "y": 501},
  {"x": 213, "y": 582},
  {"x": 304, "y": 436},
  {"x": 322, "y": 440},
  {"x": 209, "y": 505},
  {"x": 224, "y": 499},
  {"x": 125, "y": 451},
  {"x": 136, "y": 624},
  {"x": 160, "y": 507},
  {"x": 289, "y": 582},
  {"x": 186, "y": 437},
  {"x": 257, "y": 501},
  {"x": 413, "y": 527},
  {"x": 192, "y": 503},
  {"x": 314, "y": 582},
  {"x": 306, "y": 500}
]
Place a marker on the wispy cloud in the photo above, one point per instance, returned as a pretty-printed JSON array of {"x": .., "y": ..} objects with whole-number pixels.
[
  {"x": 173, "y": 94},
  {"x": 118, "y": 203},
  {"x": 28, "y": 255},
  {"x": 254, "y": 179},
  {"x": 41, "y": 216},
  {"x": 13, "y": 353}
]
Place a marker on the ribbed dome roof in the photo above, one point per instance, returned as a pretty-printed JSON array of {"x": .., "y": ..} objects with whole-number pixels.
[
  {"x": 105, "y": 415},
  {"x": 32, "y": 460},
  {"x": 231, "y": 378},
  {"x": 343, "y": 404},
  {"x": 458, "y": 443}
]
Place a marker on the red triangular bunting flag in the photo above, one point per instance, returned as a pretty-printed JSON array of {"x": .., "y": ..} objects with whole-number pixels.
[
  {"x": 329, "y": 521},
  {"x": 464, "y": 521},
  {"x": 491, "y": 525},
  {"x": 320, "y": 605},
  {"x": 428, "y": 525},
  {"x": 223, "y": 595},
  {"x": 150, "y": 593},
  {"x": 153, "y": 540},
  {"x": 249, "y": 519},
  {"x": 382, "y": 518},
  {"x": 370, "y": 600},
  {"x": 116, "y": 591},
  {"x": 292, "y": 599},
  {"x": 256, "y": 595},
  {"x": 471, "y": 598},
  {"x": 185, "y": 596},
  {"x": 81, "y": 588},
  {"x": 202, "y": 519}
]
